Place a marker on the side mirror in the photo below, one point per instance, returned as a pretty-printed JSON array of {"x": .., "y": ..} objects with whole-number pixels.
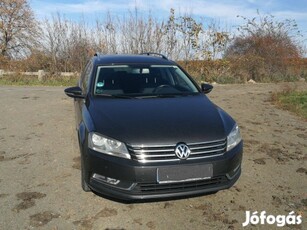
[
  {"x": 206, "y": 88},
  {"x": 74, "y": 92}
]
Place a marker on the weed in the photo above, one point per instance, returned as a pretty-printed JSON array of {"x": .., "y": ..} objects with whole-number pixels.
[{"x": 291, "y": 99}]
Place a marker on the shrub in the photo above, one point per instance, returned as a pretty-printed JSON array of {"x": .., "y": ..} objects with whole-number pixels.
[{"x": 264, "y": 49}]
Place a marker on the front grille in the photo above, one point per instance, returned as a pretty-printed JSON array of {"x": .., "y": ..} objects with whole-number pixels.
[
  {"x": 179, "y": 186},
  {"x": 166, "y": 153}
]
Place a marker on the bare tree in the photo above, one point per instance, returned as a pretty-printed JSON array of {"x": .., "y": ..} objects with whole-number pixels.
[
  {"x": 67, "y": 43},
  {"x": 214, "y": 41},
  {"x": 18, "y": 28},
  {"x": 170, "y": 32},
  {"x": 54, "y": 36},
  {"x": 105, "y": 35}
]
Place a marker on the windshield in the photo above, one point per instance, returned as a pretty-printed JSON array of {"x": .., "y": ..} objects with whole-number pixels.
[{"x": 144, "y": 81}]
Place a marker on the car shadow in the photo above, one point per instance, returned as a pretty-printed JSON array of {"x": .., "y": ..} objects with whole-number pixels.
[{"x": 155, "y": 200}]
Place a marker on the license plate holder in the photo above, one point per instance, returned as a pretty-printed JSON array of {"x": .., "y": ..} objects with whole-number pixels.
[{"x": 184, "y": 173}]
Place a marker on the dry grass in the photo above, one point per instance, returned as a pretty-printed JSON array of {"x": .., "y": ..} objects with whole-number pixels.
[
  {"x": 228, "y": 71},
  {"x": 289, "y": 98},
  {"x": 53, "y": 80}
]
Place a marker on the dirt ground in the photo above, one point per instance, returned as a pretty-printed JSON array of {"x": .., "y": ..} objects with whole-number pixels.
[{"x": 40, "y": 171}]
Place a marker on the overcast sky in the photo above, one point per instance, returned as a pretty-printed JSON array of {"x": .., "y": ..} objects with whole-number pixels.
[{"x": 224, "y": 10}]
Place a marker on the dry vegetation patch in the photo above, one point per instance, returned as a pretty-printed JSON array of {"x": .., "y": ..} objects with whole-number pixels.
[{"x": 292, "y": 99}]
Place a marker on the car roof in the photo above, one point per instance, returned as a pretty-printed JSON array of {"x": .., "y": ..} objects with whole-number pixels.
[{"x": 131, "y": 59}]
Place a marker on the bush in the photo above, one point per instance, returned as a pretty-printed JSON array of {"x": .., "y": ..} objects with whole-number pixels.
[{"x": 264, "y": 49}]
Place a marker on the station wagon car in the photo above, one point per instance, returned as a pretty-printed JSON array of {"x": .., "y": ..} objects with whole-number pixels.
[{"x": 147, "y": 130}]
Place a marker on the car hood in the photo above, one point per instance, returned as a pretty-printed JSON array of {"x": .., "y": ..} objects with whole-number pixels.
[{"x": 159, "y": 121}]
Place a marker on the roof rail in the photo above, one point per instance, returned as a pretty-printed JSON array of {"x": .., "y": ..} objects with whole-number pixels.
[{"x": 154, "y": 54}]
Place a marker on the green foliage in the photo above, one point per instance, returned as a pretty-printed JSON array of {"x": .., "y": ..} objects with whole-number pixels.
[{"x": 292, "y": 100}]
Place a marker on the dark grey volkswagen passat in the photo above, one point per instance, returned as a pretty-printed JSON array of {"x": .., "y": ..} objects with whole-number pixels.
[{"x": 147, "y": 130}]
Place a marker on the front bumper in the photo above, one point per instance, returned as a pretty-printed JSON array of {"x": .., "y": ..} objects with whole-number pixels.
[{"x": 129, "y": 180}]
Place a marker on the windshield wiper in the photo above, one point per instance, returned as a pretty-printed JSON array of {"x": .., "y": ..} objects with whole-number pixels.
[
  {"x": 166, "y": 95},
  {"x": 115, "y": 96},
  {"x": 156, "y": 96},
  {"x": 190, "y": 94},
  {"x": 147, "y": 96}
]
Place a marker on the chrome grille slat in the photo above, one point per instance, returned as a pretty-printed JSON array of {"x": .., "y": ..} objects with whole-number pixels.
[
  {"x": 208, "y": 151},
  {"x": 166, "y": 153},
  {"x": 142, "y": 156},
  {"x": 203, "y": 157},
  {"x": 152, "y": 151},
  {"x": 205, "y": 147},
  {"x": 149, "y": 146},
  {"x": 153, "y": 161}
]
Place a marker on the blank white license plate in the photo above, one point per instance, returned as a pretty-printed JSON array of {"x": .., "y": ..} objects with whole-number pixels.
[{"x": 184, "y": 173}]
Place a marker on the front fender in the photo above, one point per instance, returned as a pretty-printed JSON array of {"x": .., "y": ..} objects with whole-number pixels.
[
  {"x": 86, "y": 125},
  {"x": 228, "y": 121}
]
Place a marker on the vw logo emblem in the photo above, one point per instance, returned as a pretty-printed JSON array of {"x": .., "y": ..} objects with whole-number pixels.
[{"x": 182, "y": 151}]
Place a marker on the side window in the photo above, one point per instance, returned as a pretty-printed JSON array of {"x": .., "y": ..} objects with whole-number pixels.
[{"x": 86, "y": 76}]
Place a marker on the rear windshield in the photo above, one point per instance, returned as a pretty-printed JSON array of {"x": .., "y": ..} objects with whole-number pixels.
[{"x": 140, "y": 80}]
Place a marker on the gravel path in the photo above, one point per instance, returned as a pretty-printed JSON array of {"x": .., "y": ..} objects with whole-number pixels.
[{"x": 40, "y": 170}]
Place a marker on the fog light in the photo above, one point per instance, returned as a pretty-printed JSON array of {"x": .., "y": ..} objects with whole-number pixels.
[
  {"x": 236, "y": 168},
  {"x": 108, "y": 180},
  {"x": 112, "y": 181},
  {"x": 233, "y": 172},
  {"x": 120, "y": 184}
]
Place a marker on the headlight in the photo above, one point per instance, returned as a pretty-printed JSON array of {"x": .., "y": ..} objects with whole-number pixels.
[
  {"x": 233, "y": 138},
  {"x": 107, "y": 145}
]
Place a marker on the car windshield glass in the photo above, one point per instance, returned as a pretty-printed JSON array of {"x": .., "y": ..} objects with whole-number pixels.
[{"x": 142, "y": 81}]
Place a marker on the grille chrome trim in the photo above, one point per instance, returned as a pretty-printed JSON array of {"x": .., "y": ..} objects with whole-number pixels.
[
  {"x": 166, "y": 153},
  {"x": 210, "y": 151},
  {"x": 204, "y": 147},
  {"x": 193, "y": 143},
  {"x": 153, "y": 151}
]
